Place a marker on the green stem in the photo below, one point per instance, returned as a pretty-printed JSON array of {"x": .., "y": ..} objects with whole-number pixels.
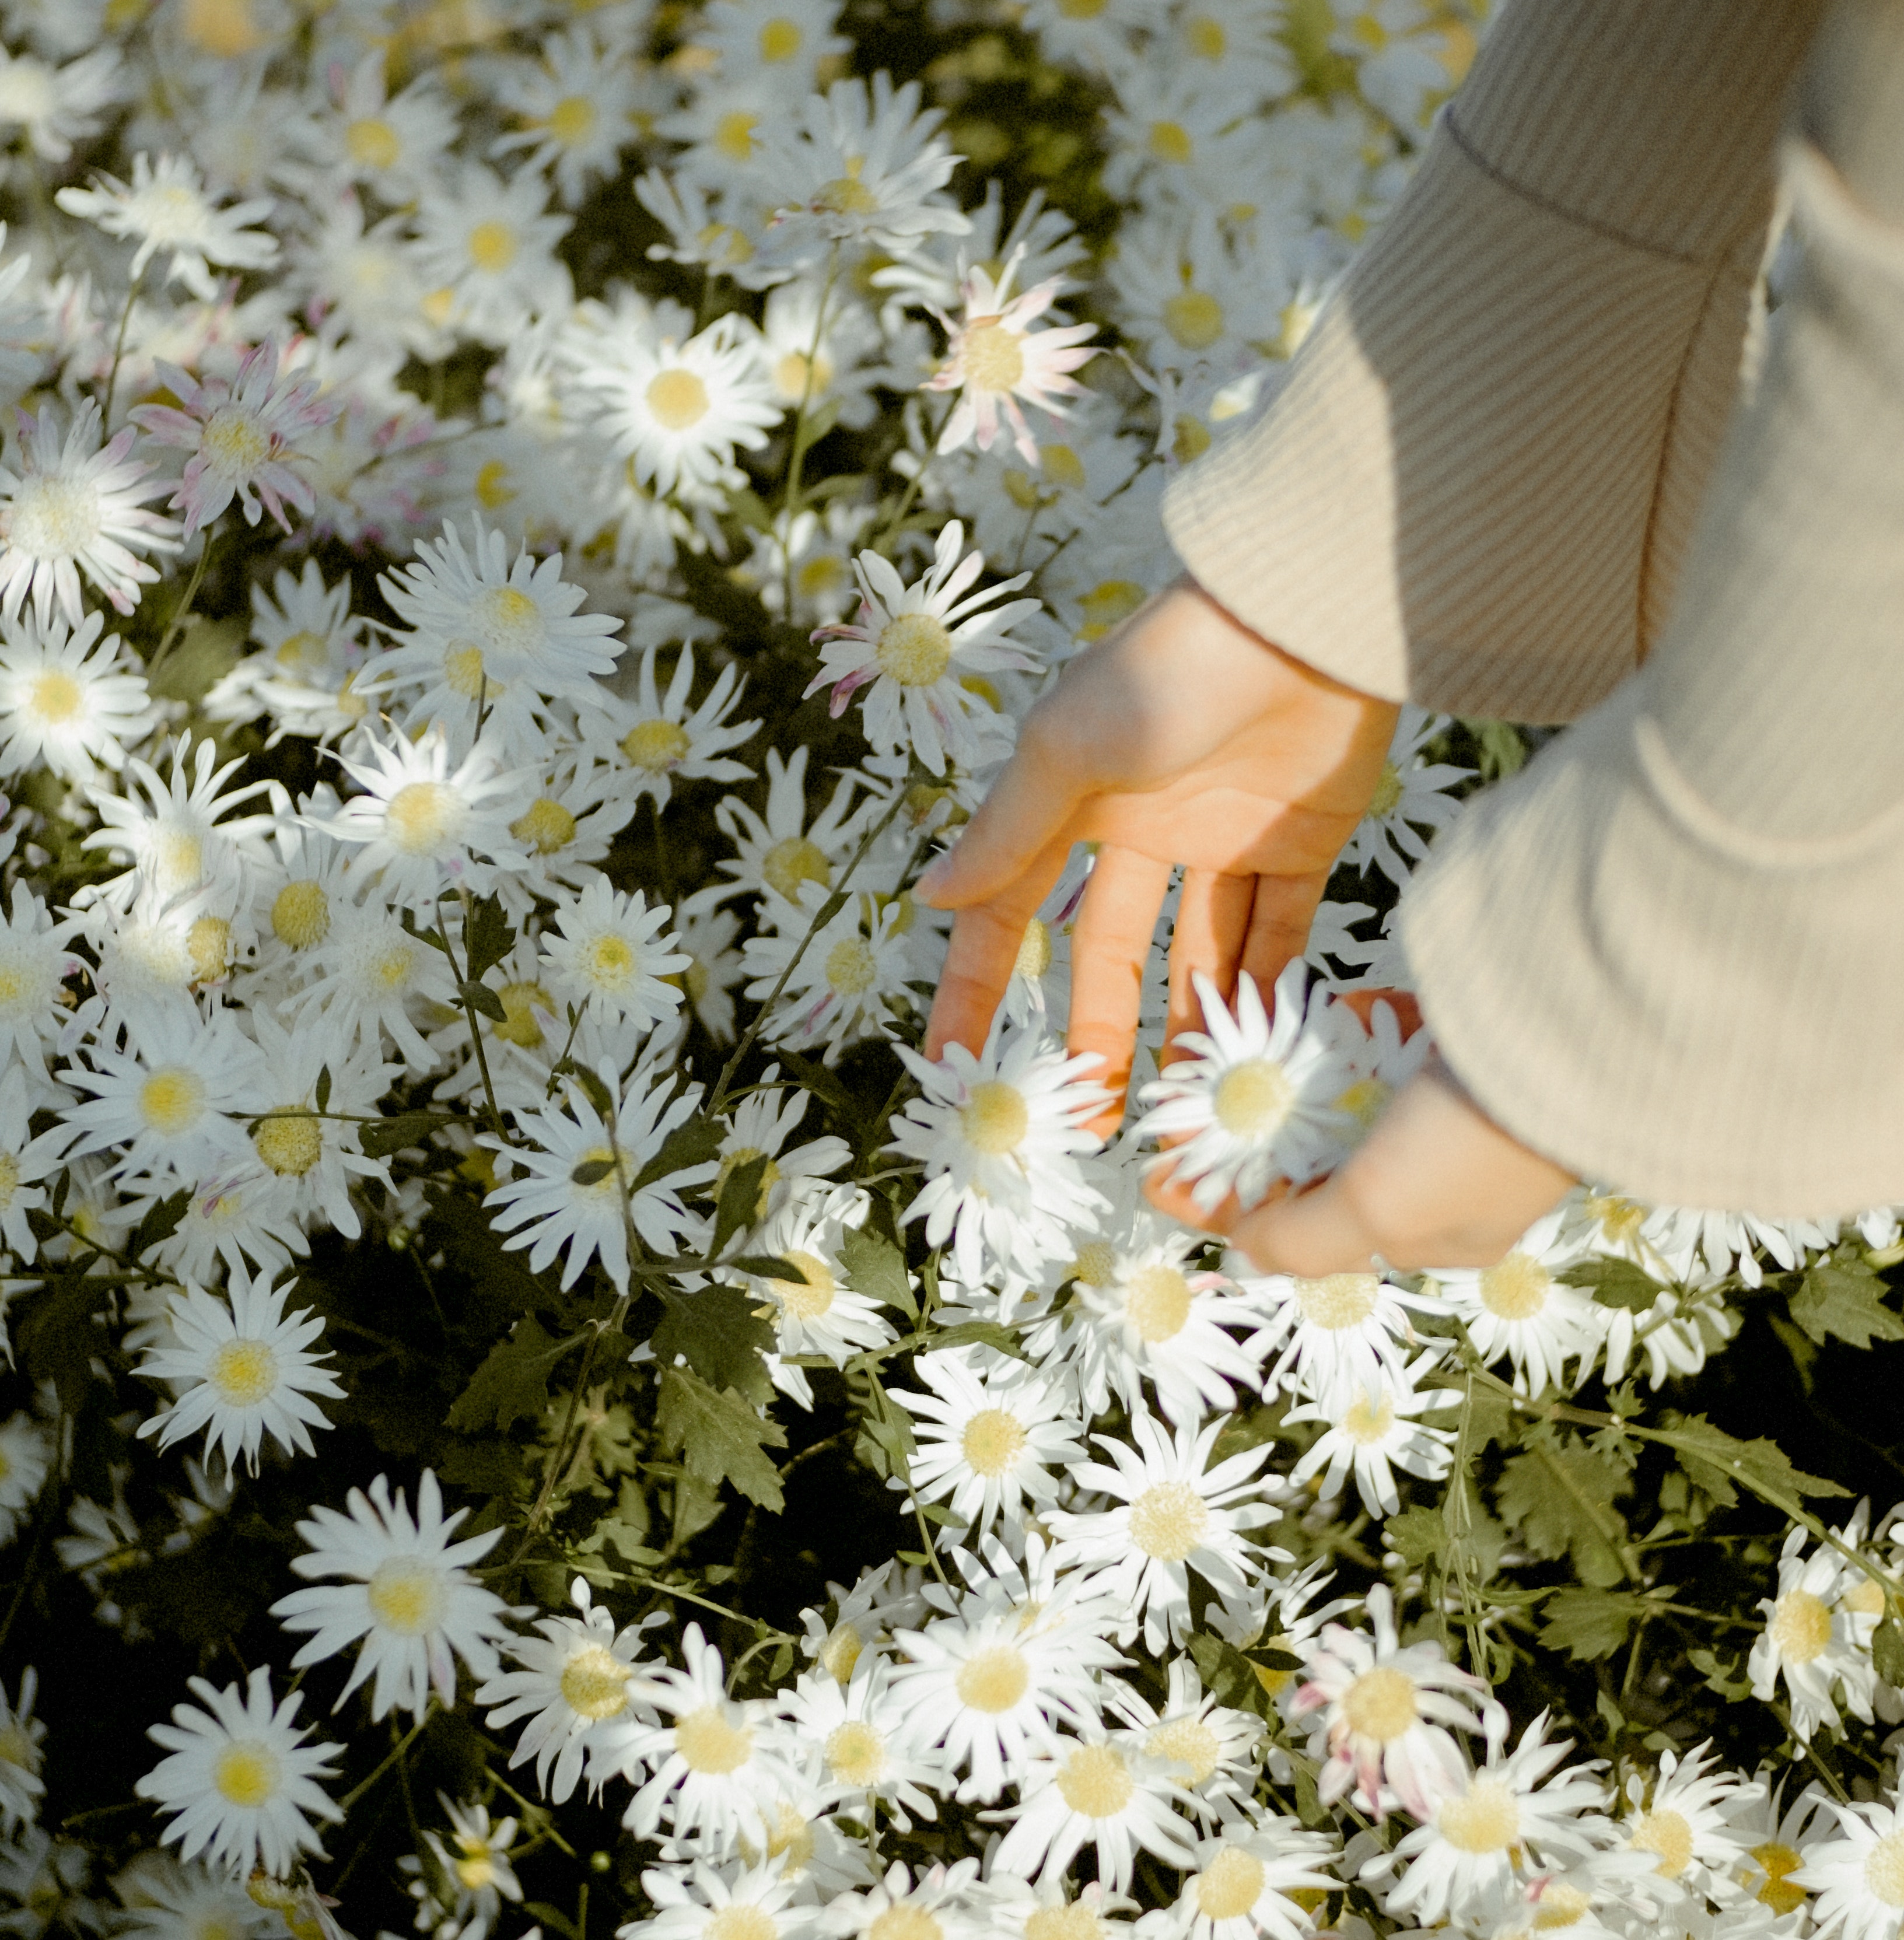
[
  {"x": 118, "y": 351},
  {"x": 790, "y": 499},
  {"x": 469, "y": 1013},
  {"x": 181, "y": 612},
  {"x": 403, "y": 1745}
]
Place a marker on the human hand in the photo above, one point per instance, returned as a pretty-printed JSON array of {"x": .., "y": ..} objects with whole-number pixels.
[
  {"x": 1436, "y": 1183},
  {"x": 1181, "y": 738}
]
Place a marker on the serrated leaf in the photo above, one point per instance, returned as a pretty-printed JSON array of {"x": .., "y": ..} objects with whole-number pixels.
[
  {"x": 719, "y": 1335},
  {"x": 380, "y": 1137},
  {"x": 1846, "y": 1302},
  {"x": 158, "y": 1222},
  {"x": 480, "y": 998},
  {"x": 1614, "y": 1283},
  {"x": 1715, "y": 1460},
  {"x": 876, "y": 1268},
  {"x": 55, "y": 1336},
  {"x": 1718, "y": 1676},
  {"x": 1227, "y": 1675},
  {"x": 1417, "y": 1536},
  {"x": 512, "y": 1384},
  {"x": 720, "y": 1438},
  {"x": 1589, "y": 1624},
  {"x": 488, "y": 936},
  {"x": 739, "y": 1202},
  {"x": 591, "y": 1171},
  {"x": 975, "y": 1333},
  {"x": 686, "y": 1146},
  {"x": 1548, "y": 1496}
]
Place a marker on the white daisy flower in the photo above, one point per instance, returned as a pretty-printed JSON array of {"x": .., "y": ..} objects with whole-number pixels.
[
  {"x": 409, "y": 1596},
  {"x": 1779, "y": 1837},
  {"x": 21, "y": 1735},
  {"x": 1344, "y": 1335},
  {"x": 577, "y": 104},
  {"x": 58, "y": 106},
  {"x": 580, "y": 1675},
  {"x": 35, "y": 963},
  {"x": 743, "y": 1900},
  {"x": 1170, "y": 1514},
  {"x": 1518, "y": 1308},
  {"x": 862, "y": 1744},
  {"x": 394, "y": 143},
  {"x": 1098, "y": 1791},
  {"x": 1410, "y": 795},
  {"x": 75, "y": 504},
  {"x": 922, "y": 652},
  {"x": 1245, "y": 1881},
  {"x": 780, "y": 852},
  {"x": 490, "y": 244},
  {"x": 1212, "y": 1750},
  {"x": 240, "y": 1783},
  {"x": 310, "y": 649},
  {"x": 999, "y": 1136},
  {"x": 166, "y": 1901},
  {"x": 368, "y": 971},
  {"x": 653, "y": 739},
  {"x": 1373, "y": 1430},
  {"x": 1382, "y": 1712},
  {"x": 1858, "y": 1877},
  {"x": 1811, "y": 1640},
  {"x": 1254, "y": 1100},
  {"x": 248, "y": 1372},
  {"x": 1692, "y": 1819},
  {"x": 26, "y": 1162},
  {"x": 615, "y": 956},
  {"x": 68, "y": 699},
  {"x": 164, "y": 208},
  {"x": 990, "y": 1434},
  {"x": 473, "y": 1864},
  {"x": 759, "y": 1126},
  {"x": 567, "y": 830},
  {"x": 842, "y": 983},
  {"x": 26, "y": 1455}
]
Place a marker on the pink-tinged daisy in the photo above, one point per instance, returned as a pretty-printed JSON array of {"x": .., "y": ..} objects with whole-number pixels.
[
  {"x": 241, "y": 432},
  {"x": 923, "y": 651},
  {"x": 73, "y": 505},
  {"x": 995, "y": 358},
  {"x": 1383, "y": 1712}
]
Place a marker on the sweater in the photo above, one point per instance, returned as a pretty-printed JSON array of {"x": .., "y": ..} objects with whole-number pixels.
[{"x": 1541, "y": 459}]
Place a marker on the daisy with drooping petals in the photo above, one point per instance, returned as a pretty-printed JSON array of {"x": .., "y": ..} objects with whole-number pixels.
[
  {"x": 1373, "y": 1431},
  {"x": 1693, "y": 1821},
  {"x": 1245, "y": 1879},
  {"x": 1520, "y": 1308},
  {"x": 914, "y": 648},
  {"x": 68, "y": 698},
  {"x": 708, "y": 1902},
  {"x": 611, "y": 953},
  {"x": 1097, "y": 1791},
  {"x": 1811, "y": 1640},
  {"x": 242, "y": 434},
  {"x": 1858, "y": 1877},
  {"x": 1382, "y": 1713},
  {"x": 1341, "y": 1336},
  {"x": 165, "y": 207},
  {"x": 241, "y": 1783},
  {"x": 653, "y": 739},
  {"x": 75, "y": 504},
  {"x": 408, "y": 1594},
  {"x": 995, "y": 358},
  {"x": 250, "y": 1371}
]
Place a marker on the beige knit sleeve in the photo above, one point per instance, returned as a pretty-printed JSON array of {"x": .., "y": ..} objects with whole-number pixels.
[
  {"x": 1476, "y": 490},
  {"x": 1671, "y": 953}
]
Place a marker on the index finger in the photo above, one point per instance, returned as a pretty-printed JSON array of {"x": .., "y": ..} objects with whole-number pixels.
[{"x": 986, "y": 940}]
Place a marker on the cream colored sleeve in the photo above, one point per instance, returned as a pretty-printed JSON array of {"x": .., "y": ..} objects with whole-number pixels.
[
  {"x": 1671, "y": 953},
  {"x": 1476, "y": 490}
]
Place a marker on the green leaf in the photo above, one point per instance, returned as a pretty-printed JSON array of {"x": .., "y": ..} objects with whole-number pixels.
[
  {"x": 57, "y": 1338},
  {"x": 1589, "y": 1624},
  {"x": 512, "y": 1384},
  {"x": 720, "y": 1438},
  {"x": 719, "y": 1335},
  {"x": 1227, "y": 1675},
  {"x": 1502, "y": 751},
  {"x": 877, "y": 1268},
  {"x": 488, "y": 936},
  {"x": 766, "y": 1266},
  {"x": 207, "y": 650},
  {"x": 825, "y": 1085},
  {"x": 1888, "y": 1652},
  {"x": 1417, "y": 1536},
  {"x": 686, "y": 1146},
  {"x": 969, "y": 1333},
  {"x": 324, "y": 1089},
  {"x": 1615, "y": 1283},
  {"x": 1846, "y": 1301},
  {"x": 158, "y": 1222},
  {"x": 380, "y": 1137},
  {"x": 1718, "y": 1675},
  {"x": 481, "y": 997},
  {"x": 591, "y": 1171},
  {"x": 739, "y": 1203},
  {"x": 1715, "y": 1460},
  {"x": 1549, "y": 1496}
]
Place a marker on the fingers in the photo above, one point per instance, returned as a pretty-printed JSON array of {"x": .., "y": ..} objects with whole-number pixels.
[
  {"x": 1028, "y": 807},
  {"x": 1109, "y": 947},
  {"x": 986, "y": 940},
  {"x": 1436, "y": 1184},
  {"x": 1280, "y": 916},
  {"x": 1212, "y": 918}
]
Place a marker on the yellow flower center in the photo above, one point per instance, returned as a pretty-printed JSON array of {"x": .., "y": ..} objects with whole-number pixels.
[
  {"x": 595, "y": 1682},
  {"x": 233, "y": 441},
  {"x": 521, "y": 1024},
  {"x": 905, "y": 1922},
  {"x": 914, "y": 648},
  {"x": 300, "y": 914},
  {"x": 1186, "y": 1741},
  {"x": 599, "y": 1155},
  {"x": 1778, "y": 1862},
  {"x": 1254, "y": 1099},
  {"x": 1667, "y": 1833},
  {"x": 493, "y": 490},
  {"x": 1866, "y": 1598},
  {"x": 1387, "y": 797},
  {"x": 1081, "y": 10},
  {"x": 9, "y": 1185},
  {"x": 54, "y": 697},
  {"x": 657, "y": 746},
  {"x": 1619, "y": 1219},
  {"x": 1230, "y": 1885},
  {"x": 1367, "y": 1422},
  {"x": 246, "y": 1774},
  {"x": 780, "y": 39},
  {"x": 1170, "y": 1521},
  {"x": 1363, "y": 1100},
  {"x": 993, "y": 1680},
  {"x": 793, "y": 379},
  {"x": 290, "y": 1142},
  {"x": 243, "y": 1372},
  {"x": 466, "y": 673},
  {"x": 794, "y": 861},
  {"x": 178, "y": 859},
  {"x": 424, "y": 818},
  {"x": 372, "y": 144},
  {"x": 171, "y": 1099},
  {"x": 1105, "y": 604},
  {"x": 507, "y": 616},
  {"x": 676, "y": 399},
  {"x": 1883, "y": 1870},
  {"x": 396, "y": 968},
  {"x": 572, "y": 120},
  {"x": 840, "y": 1651},
  {"x": 811, "y": 1296},
  {"x": 995, "y": 1119},
  {"x": 492, "y": 247},
  {"x": 1341, "y": 1299},
  {"x": 847, "y": 194},
  {"x": 993, "y": 1442},
  {"x": 707, "y": 1741},
  {"x": 1157, "y": 1303},
  {"x": 609, "y": 962},
  {"x": 475, "y": 1871},
  {"x": 208, "y": 944},
  {"x": 1205, "y": 37},
  {"x": 54, "y": 517},
  {"x": 1095, "y": 1782},
  {"x": 1801, "y": 1626},
  {"x": 1034, "y": 957},
  {"x": 406, "y": 1595},
  {"x": 1380, "y": 1704},
  {"x": 740, "y": 1921},
  {"x": 733, "y": 134},
  {"x": 855, "y": 1753},
  {"x": 1095, "y": 1264},
  {"x": 301, "y": 650},
  {"x": 545, "y": 825},
  {"x": 1516, "y": 1289},
  {"x": 1485, "y": 1819},
  {"x": 991, "y": 357},
  {"x": 1075, "y": 1922},
  {"x": 1169, "y": 142},
  {"x": 1561, "y": 1906},
  {"x": 1194, "y": 318},
  {"x": 851, "y": 967}
]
